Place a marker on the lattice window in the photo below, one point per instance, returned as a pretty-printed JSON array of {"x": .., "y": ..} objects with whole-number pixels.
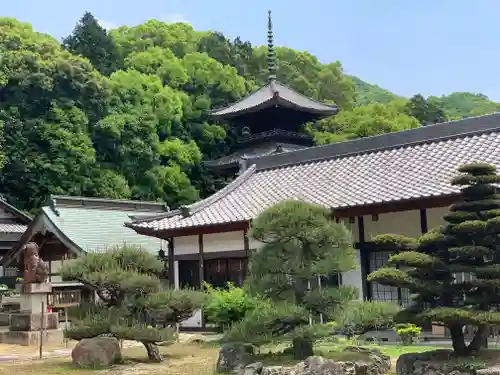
[{"x": 379, "y": 259}]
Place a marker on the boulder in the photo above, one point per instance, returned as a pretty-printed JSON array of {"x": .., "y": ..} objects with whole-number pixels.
[
  {"x": 316, "y": 365},
  {"x": 192, "y": 339},
  {"x": 96, "y": 352},
  {"x": 437, "y": 362},
  {"x": 235, "y": 356}
]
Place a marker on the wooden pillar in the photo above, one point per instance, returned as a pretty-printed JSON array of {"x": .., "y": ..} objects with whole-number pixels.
[
  {"x": 246, "y": 247},
  {"x": 423, "y": 221},
  {"x": 201, "y": 260},
  {"x": 364, "y": 259},
  {"x": 201, "y": 270},
  {"x": 171, "y": 268}
]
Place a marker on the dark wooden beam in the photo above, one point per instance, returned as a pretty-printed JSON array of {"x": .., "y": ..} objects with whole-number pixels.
[
  {"x": 213, "y": 255},
  {"x": 423, "y": 221},
  {"x": 364, "y": 259},
  {"x": 246, "y": 243},
  {"x": 193, "y": 231},
  {"x": 171, "y": 268},
  {"x": 408, "y": 205},
  {"x": 201, "y": 259}
]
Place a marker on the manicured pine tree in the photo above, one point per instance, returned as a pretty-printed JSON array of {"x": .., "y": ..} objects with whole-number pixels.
[
  {"x": 132, "y": 301},
  {"x": 301, "y": 243},
  {"x": 468, "y": 244}
]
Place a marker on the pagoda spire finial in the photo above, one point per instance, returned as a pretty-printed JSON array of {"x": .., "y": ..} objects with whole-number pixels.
[{"x": 271, "y": 57}]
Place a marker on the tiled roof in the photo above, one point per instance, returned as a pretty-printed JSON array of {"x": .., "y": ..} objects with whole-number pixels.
[
  {"x": 95, "y": 225},
  {"x": 399, "y": 166},
  {"x": 12, "y": 228},
  {"x": 267, "y": 148},
  {"x": 275, "y": 93}
]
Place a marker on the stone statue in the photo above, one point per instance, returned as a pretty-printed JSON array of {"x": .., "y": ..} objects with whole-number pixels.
[{"x": 35, "y": 269}]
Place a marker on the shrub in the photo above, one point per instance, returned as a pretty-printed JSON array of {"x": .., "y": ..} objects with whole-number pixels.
[
  {"x": 408, "y": 333},
  {"x": 359, "y": 317},
  {"x": 225, "y": 307}
]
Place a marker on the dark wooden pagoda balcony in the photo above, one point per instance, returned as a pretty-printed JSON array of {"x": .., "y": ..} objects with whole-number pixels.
[{"x": 277, "y": 135}]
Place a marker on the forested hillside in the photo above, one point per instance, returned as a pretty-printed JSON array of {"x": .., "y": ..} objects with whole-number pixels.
[{"x": 123, "y": 114}]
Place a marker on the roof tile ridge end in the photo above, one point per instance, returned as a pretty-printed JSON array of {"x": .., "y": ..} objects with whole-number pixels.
[
  {"x": 160, "y": 216},
  {"x": 195, "y": 207}
]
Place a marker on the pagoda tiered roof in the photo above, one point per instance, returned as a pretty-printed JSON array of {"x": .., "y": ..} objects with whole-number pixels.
[
  {"x": 275, "y": 94},
  {"x": 403, "y": 166}
]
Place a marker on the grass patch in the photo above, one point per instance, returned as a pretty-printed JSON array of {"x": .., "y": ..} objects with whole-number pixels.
[{"x": 181, "y": 359}]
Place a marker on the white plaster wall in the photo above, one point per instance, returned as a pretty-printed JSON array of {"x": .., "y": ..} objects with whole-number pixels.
[
  {"x": 353, "y": 277},
  {"x": 254, "y": 244},
  {"x": 228, "y": 241},
  {"x": 406, "y": 223},
  {"x": 55, "y": 266},
  {"x": 435, "y": 216},
  {"x": 55, "y": 279},
  {"x": 353, "y": 228},
  {"x": 186, "y": 245}
]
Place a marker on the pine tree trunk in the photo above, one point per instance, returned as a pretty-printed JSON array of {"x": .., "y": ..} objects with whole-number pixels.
[
  {"x": 458, "y": 340},
  {"x": 480, "y": 340},
  {"x": 153, "y": 352},
  {"x": 302, "y": 348}
]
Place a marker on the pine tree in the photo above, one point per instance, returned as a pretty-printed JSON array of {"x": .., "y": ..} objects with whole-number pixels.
[
  {"x": 301, "y": 243},
  {"x": 468, "y": 244},
  {"x": 90, "y": 40},
  {"x": 132, "y": 302}
]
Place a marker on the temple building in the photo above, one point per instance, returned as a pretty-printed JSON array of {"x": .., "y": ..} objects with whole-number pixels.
[
  {"x": 392, "y": 183},
  {"x": 67, "y": 227},
  {"x": 13, "y": 224},
  {"x": 270, "y": 120}
]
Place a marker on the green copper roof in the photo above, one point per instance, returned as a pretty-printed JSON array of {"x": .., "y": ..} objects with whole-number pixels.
[
  {"x": 95, "y": 225},
  {"x": 94, "y": 230},
  {"x": 91, "y": 224}
]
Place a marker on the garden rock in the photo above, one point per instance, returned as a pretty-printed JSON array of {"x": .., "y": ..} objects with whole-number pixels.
[
  {"x": 489, "y": 371},
  {"x": 96, "y": 352},
  {"x": 438, "y": 362},
  {"x": 377, "y": 364},
  {"x": 192, "y": 339},
  {"x": 318, "y": 366},
  {"x": 234, "y": 357}
]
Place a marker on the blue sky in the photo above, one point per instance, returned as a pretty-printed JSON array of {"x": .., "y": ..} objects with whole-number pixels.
[{"x": 432, "y": 47}]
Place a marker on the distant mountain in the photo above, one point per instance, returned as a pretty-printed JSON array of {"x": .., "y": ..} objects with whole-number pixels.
[
  {"x": 456, "y": 105},
  {"x": 466, "y": 104},
  {"x": 367, "y": 93}
]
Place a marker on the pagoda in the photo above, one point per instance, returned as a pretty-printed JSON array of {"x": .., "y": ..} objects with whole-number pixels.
[{"x": 270, "y": 120}]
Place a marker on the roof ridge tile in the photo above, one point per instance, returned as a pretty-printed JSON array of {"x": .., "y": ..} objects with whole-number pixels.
[{"x": 425, "y": 134}]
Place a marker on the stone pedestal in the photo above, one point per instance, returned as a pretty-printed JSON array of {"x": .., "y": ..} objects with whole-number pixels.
[{"x": 25, "y": 327}]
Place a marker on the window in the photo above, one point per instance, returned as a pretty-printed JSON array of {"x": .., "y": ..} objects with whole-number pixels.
[
  {"x": 218, "y": 272},
  {"x": 380, "y": 292},
  {"x": 332, "y": 280}
]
